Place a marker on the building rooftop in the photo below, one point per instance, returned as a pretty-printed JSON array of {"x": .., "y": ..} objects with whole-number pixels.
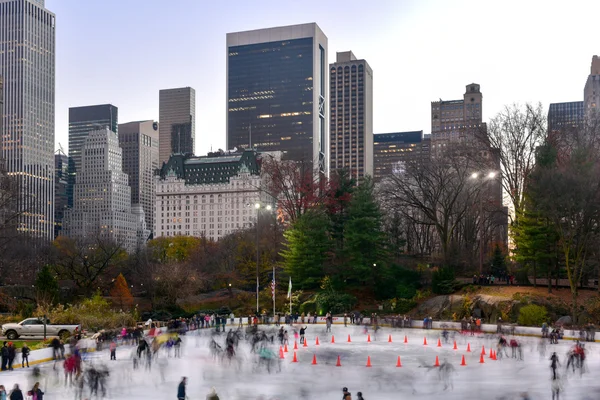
[
  {"x": 396, "y": 137},
  {"x": 213, "y": 168}
]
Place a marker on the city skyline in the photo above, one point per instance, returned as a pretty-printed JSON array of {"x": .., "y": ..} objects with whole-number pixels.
[{"x": 409, "y": 45}]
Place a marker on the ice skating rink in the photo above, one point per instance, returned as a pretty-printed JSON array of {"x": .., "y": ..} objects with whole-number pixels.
[{"x": 417, "y": 378}]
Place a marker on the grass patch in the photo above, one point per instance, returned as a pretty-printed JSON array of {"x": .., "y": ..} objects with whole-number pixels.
[{"x": 32, "y": 344}]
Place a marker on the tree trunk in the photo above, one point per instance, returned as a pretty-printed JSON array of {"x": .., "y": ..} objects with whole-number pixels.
[
  {"x": 549, "y": 280},
  {"x": 534, "y": 274},
  {"x": 574, "y": 311}
]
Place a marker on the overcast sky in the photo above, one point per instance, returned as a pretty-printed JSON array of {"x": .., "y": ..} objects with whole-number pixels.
[{"x": 123, "y": 51}]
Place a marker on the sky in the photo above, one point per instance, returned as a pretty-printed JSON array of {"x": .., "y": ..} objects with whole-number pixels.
[{"x": 124, "y": 51}]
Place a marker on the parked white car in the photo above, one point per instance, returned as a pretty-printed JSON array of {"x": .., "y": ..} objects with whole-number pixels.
[{"x": 35, "y": 327}]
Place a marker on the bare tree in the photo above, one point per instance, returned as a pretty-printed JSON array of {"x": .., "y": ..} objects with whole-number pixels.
[
  {"x": 515, "y": 133},
  {"x": 87, "y": 263},
  {"x": 438, "y": 193},
  {"x": 294, "y": 184}
]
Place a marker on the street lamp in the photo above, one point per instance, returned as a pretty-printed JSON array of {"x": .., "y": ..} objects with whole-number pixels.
[
  {"x": 483, "y": 177},
  {"x": 258, "y": 207}
]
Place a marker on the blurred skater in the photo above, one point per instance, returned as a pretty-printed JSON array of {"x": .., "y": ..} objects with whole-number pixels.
[
  {"x": 212, "y": 395},
  {"x": 181, "y": 389}
]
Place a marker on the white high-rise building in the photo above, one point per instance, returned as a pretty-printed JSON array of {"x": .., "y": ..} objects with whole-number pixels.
[
  {"x": 27, "y": 65},
  {"x": 102, "y": 196}
]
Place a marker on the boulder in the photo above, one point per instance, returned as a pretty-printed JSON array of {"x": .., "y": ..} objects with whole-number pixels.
[{"x": 564, "y": 321}]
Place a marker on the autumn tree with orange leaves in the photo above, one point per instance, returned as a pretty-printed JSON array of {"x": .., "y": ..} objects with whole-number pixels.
[{"x": 121, "y": 293}]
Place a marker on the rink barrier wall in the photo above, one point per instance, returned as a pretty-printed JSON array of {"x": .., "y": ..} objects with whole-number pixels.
[
  {"x": 418, "y": 324},
  {"x": 45, "y": 355}
]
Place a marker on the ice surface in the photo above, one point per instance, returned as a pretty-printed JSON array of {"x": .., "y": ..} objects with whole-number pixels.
[{"x": 416, "y": 379}]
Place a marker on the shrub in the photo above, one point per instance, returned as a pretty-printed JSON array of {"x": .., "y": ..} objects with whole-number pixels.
[
  {"x": 522, "y": 277},
  {"x": 335, "y": 302},
  {"x": 532, "y": 315},
  {"x": 404, "y": 291},
  {"x": 443, "y": 282},
  {"x": 404, "y": 306},
  {"x": 308, "y": 306},
  {"x": 93, "y": 314}
]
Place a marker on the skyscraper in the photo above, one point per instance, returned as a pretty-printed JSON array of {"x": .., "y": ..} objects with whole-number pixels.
[
  {"x": 457, "y": 120},
  {"x": 61, "y": 182},
  {"x": 351, "y": 123},
  {"x": 177, "y": 117},
  {"x": 139, "y": 142},
  {"x": 591, "y": 92},
  {"x": 277, "y": 92},
  {"x": 82, "y": 121},
  {"x": 27, "y": 65},
  {"x": 102, "y": 196}
]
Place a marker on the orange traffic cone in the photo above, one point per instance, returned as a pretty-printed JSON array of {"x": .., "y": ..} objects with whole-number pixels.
[
  {"x": 455, "y": 348},
  {"x": 368, "y": 361},
  {"x": 405, "y": 339},
  {"x": 390, "y": 339},
  {"x": 439, "y": 343},
  {"x": 425, "y": 341},
  {"x": 295, "y": 360},
  {"x": 332, "y": 339},
  {"x": 317, "y": 343},
  {"x": 491, "y": 354},
  {"x": 494, "y": 355},
  {"x": 437, "y": 361},
  {"x": 349, "y": 341},
  {"x": 285, "y": 349},
  {"x": 305, "y": 345},
  {"x": 295, "y": 345},
  {"x": 483, "y": 350},
  {"x": 339, "y": 363},
  {"x": 463, "y": 362},
  {"x": 369, "y": 338},
  {"x": 468, "y": 347},
  {"x": 481, "y": 360},
  {"x": 314, "y": 362},
  {"x": 398, "y": 364},
  {"x": 281, "y": 353}
]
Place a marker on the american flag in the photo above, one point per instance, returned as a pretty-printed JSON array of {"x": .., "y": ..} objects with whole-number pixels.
[{"x": 273, "y": 289}]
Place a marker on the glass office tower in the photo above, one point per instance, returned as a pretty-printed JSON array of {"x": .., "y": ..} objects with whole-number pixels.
[
  {"x": 277, "y": 93},
  {"x": 27, "y": 65}
]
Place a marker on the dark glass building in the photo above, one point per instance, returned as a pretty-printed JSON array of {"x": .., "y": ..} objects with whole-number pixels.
[
  {"x": 83, "y": 120},
  {"x": 61, "y": 177},
  {"x": 565, "y": 116},
  {"x": 391, "y": 149},
  {"x": 277, "y": 92}
]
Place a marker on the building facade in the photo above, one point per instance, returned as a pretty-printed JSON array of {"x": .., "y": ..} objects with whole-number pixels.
[
  {"x": 565, "y": 116},
  {"x": 139, "y": 143},
  {"x": 82, "y": 121},
  {"x": 27, "y": 65},
  {"x": 210, "y": 196},
  {"x": 351, "y": 122},
  {"x": 391, "y": 150},
  {"x": 177, "y": 116},
  {"x": 591, "y": 91},
  {"x": 102, "y": 196},
  {"x": 61, "y": 182},
  {"x": 277, "y": 92},
  {"x": 457, "y": 120}
]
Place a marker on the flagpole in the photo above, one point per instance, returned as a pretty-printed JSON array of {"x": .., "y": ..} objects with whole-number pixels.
[
  {"x": 274, "y": 292},
  {"x": 290, "y": 290}
]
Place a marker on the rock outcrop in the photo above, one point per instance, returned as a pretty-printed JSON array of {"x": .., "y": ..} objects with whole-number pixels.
[{"x": 447, "y": 307}]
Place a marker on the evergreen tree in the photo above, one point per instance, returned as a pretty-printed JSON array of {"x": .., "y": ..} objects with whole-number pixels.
[
  {"x": 46, "y": 286},
  {"x": 364, "y": 237},
  {"x": 498, "y": 262},
  {"x": 306, "y": 249}
]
